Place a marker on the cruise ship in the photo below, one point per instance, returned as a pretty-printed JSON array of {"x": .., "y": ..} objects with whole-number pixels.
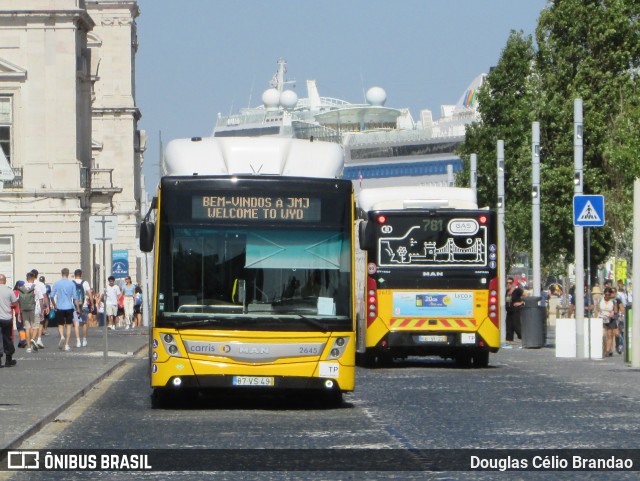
[{"x": 383, "y": 146}]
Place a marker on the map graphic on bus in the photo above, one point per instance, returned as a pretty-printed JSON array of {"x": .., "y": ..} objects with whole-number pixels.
[{"x": 421, "y": 249}]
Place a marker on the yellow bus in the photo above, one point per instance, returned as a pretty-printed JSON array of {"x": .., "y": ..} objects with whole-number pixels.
[
  {"x": 253, "y": 287},
  {"x": 430, "y": 283}
]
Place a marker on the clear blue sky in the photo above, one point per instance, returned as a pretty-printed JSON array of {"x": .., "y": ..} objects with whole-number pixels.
[{"x": 200, "y": 57}]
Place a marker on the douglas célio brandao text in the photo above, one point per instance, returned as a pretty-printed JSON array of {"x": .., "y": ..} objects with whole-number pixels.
[{"x": 550, "y": 462}]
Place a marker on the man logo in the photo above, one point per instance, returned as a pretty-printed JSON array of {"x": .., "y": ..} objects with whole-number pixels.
[{"x": 386, "y": 229}]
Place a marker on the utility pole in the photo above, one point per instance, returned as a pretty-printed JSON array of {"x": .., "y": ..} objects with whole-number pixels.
[
  {"x": 578, "y": 179},
  {"x": 501, "y": 240},
  {"x": 473, "y": 174},
  {"x": 103, "y": 228},
  {"x": 635, "y": 313},
  {"x": 535, "y": 206}
]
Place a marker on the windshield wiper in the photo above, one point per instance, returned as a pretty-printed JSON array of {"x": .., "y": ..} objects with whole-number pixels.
[
  {"x": 196, "y": 323},
  {"x": 313, "y": 322}
]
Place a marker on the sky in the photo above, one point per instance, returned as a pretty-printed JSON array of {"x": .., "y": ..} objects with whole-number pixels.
[{"x": 198, "y": 58}]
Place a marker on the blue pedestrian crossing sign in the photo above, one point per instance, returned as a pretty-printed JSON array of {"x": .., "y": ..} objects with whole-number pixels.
[{"x": 588, "y": 210}]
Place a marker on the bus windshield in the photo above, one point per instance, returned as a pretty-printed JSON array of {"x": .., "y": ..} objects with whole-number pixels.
[{"x": 248, "y": 275}]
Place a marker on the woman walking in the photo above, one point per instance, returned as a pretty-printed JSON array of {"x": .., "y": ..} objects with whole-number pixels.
[
  {"x": 129, "y": 293},
  {"x": 607, "y": 310}
]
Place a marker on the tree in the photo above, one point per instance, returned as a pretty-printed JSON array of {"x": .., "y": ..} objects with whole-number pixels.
[
  {"x": 587, "y": 49},
  {"x": 505, "y": 100}
]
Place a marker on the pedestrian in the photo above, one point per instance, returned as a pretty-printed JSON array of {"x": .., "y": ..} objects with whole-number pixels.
[
  {"x": 121, "y": 320},
  {"x": 607, "y": 310},
  {"x": 619, "y": 329},
  {"x": 98, "y": 302},
  {"x": 137, "y": 307},
  {"x": 129, "y": 290},
  {"x": 111, "y": 293},
  {"x": 514, "y": 303},
  {"x": 8, "y": 300},
  {"x": 63, "y": 298},
  {"x": 42, "y": 308},
  {"x": 588, "y": 304},
  {"x": 84, "y": 295},
  {"x": 28, "y": 299},
  {"x": 17, "y": 315},
  {"x": 47, "y": 310}
]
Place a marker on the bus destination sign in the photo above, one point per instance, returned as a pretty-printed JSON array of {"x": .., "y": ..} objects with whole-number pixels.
[{"x": 256, "y": 208}]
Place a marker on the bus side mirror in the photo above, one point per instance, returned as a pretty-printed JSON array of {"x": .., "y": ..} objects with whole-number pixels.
[
  {"x": 147, "y": 235},
  {"x": 364, "y": 236}
]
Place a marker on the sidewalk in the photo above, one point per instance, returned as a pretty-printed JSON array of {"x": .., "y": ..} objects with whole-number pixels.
[
  {"x": 44, "y": 383},
  {"x": 611, "y": 375}
]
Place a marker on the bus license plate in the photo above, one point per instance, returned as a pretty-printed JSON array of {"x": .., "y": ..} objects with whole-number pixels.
[
  {"x": 437, "y": 339},
  {"x": 253, "y": 381}
]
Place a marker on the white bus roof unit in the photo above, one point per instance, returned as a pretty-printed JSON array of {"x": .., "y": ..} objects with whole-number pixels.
[
  {"x": 253, "y": 156},
  {"x": 399, "y": 198}
]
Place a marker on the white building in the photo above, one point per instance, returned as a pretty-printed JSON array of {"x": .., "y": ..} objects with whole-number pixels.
[{"x": 68, "y": 126}]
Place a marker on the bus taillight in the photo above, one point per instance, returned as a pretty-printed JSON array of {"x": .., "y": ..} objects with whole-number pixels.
[
  {"x": 381, "y": 219},
  {"x": 494, "y": 302},
  {"x": 372, "y": 301},
  {"x": 482, "y": 219}
]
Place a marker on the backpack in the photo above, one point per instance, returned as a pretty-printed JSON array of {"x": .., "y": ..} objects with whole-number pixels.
[
  {"x": 27, "y": 298},
  {"x": 80, "y": 292}
]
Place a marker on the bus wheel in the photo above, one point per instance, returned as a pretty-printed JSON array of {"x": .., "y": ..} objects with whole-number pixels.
[
  {"x": 162, "y": 398},
  {"x": 463, "y": 360},
  {"x": 385, "y": 359},
  {"x": 481, "y": 359},
  {"x": 332, "y": 399},
  {"x": 366, "y": 359}
]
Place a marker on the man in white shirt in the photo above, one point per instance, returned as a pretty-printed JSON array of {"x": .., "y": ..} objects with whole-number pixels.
[
  {"x": 42, "y": 308},
  {"x": 112, "y": 293}
]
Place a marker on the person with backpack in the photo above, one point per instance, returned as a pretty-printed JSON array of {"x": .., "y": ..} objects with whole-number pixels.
[
  {"x": 17, "y": 316},
  {"x": 84, "y": 295},
  {"x": 63, "y": 298},
  {"x": 28, "y": 297}
]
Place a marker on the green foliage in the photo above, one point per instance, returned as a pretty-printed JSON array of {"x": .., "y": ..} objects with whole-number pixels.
[
  {"x": 587, "y": 49},
  {"x": 505, "y": 101}
]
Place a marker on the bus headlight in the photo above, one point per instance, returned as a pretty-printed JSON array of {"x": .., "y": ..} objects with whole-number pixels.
[
  {"x": 337, "y": 350},
  {"x": 170, "y": 345}
]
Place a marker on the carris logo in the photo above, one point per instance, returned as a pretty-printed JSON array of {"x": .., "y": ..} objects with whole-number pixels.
[
  {"x": 433, "y": 274},
  {"x": 253, "y": 350},
  {"x": 203, "y": 348}
]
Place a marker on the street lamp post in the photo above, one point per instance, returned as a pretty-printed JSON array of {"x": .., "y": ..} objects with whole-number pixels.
[
  {"x": 535, "y": 205},
  {"x": 578, "y": 230},
  {"x": 501, "y": 239}
]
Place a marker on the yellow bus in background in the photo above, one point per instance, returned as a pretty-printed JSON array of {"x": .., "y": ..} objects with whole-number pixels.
[{"x": 429, "y": 282}]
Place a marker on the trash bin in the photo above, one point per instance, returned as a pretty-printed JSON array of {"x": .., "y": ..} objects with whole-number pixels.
[{"x": 533, "y": 322}]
